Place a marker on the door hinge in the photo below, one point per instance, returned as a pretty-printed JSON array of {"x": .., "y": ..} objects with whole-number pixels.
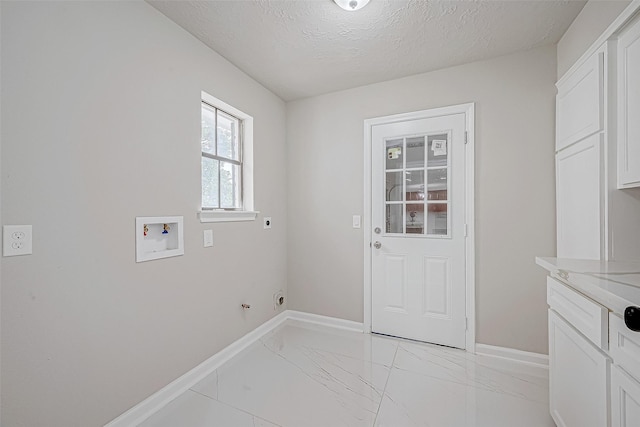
[
  {"x": 466, "y": 230},
  {"x": 466, "y": 137},
  {"x": 466, "y": 323}
]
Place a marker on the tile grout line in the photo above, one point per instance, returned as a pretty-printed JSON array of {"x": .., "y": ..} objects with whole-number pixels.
[
  {"x": 384, "y": 390},
  {"x": 235, "y": 407}
]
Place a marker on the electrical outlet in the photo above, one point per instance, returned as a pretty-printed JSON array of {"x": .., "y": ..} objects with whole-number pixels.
[
  {"x": 278, "y": 299},
  {"x": 207, "y": 238},
  {"x": 16, "y": 240},
  {"x": 267, "y": 222}
]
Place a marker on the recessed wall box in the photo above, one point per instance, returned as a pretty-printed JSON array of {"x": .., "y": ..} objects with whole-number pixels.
[{"x": 159, "y": 237}]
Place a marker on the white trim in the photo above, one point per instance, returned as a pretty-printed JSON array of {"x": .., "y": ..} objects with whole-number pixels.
[
  {"x": 528, "y": 357},
  {"x": 165, "y": 395},
  {"x": 469, "y": 111},
  {"x": 331, "y": 322},
  {"x": 615, "y": 26},
  {"x": 162, "y": 397},
  {"x": 227, "y": 216},
  {"x": 471, "y": 228},
  {"x": 366, "y": 224}
]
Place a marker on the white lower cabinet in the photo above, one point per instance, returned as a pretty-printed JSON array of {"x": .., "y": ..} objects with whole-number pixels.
[
  {"x": 625, "y": 399},
  {"x": 578, "y": 377}
]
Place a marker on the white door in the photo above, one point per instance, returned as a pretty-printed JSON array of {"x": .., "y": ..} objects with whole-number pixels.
[{"x": 418, "y": 229}]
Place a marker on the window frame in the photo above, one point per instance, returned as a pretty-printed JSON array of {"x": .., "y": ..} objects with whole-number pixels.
[{"x": 246, "y": 211}]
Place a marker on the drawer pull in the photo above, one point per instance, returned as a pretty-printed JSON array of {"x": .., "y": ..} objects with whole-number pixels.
[{"x": 632, "y": 318}]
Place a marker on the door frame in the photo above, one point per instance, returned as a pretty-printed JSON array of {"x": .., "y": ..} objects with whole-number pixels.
[{"x": 470, "y": 254}]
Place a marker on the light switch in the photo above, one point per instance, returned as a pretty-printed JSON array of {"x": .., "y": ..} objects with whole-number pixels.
[
  {"x": 356, "y": 221},
  {"x": 208, "y": 238},
  {"x": 16, "y": 240}
]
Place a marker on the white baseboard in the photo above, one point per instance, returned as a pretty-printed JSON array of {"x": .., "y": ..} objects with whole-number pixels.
[
  {"x": 162, "y": 397},
  {"x": 513, "y": 354},
  {"x": 332, "y": 322}
]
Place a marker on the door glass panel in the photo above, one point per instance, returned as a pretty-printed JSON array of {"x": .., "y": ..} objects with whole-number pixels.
[
  {"x": 394, "y": 218},
  {"x": 415, "y": 219},
  {"x": 417, "y": 167},
  {"x": 394, "y": 154},
  {"x": 437, "y": 218},
  {"x": 438, "y": 152},
  {"x": 437, "y": 187},
  {"x": 415, "y": 185},
  {"x": 415, "y": 152},
  {"x": 394, "y": 186}
]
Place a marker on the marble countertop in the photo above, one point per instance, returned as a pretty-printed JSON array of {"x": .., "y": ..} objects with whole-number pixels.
[{"x": 615, "y": 285}]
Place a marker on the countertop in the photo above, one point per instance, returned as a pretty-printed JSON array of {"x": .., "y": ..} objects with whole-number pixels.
[{"x": 615, "y": 285}]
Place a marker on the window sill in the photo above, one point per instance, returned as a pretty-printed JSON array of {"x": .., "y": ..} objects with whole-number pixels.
[{"x": 227, "y": 216}]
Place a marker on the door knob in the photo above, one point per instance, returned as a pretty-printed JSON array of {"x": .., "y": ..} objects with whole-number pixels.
[{"x": 377, "y": 245}]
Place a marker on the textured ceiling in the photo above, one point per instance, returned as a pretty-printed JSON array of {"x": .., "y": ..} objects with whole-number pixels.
[{"x": 301, "y": 48}]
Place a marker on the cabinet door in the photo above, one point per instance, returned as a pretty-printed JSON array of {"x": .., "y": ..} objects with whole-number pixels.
[
  {"x": 625, "y": 399},
  {"x": 579, "y": 103},
  {"x": 579, "y": 196},
  {"x": 629, "y": 107},
  {"x": 578, "y": 377}
]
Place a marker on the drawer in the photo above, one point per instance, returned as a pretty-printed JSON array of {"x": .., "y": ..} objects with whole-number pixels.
[
  {"x": 584, "y": 314},
  {"x": 624, "y": 346}
]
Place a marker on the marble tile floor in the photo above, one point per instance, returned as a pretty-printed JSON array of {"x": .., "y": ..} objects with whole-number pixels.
[{"x": 303, "y": 375}]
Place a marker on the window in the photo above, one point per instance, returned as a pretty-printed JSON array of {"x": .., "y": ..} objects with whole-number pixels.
[
  {"x": 226, "y": 162},
  {"x": 221, "y": 159}
]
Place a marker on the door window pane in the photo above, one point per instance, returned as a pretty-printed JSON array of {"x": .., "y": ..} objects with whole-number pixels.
[
  {"x": 394, "y": 154},
  {"x": 437, "y": 218},
  {"x": 438, "y": 152},
  {"x": 415, "y": 152},
  {"x": 415, "y": 185},
  {"x": 394, "y": 186},
  {"x": 415, "y": 219},
  {"x": 394, "y": 218},
  {"x": 437, "y": 184}
]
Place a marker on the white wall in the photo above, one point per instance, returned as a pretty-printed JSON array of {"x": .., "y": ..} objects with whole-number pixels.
[
  {"x": 515, "y": 194},
  {"x": 592, "y": 20},
  {"x": 100, "y": 124}
]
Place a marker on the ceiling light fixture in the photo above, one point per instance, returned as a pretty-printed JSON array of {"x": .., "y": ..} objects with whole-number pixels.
[{"x": 351, "y": 5}]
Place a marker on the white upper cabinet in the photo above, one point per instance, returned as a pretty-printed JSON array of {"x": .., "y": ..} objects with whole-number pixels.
[
  {"x": 579, "y": 200},
  {"x": 579, "y": 103},
  {"x": 629, "y": 107}
]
